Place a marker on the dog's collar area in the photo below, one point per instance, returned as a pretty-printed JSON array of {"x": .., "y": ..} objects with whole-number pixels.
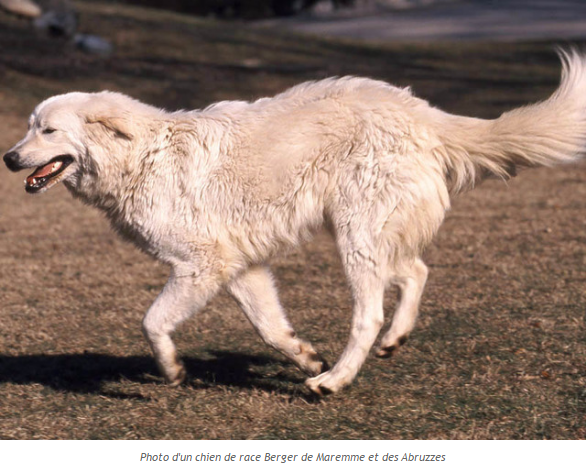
[{"x": 43, "y": 174}]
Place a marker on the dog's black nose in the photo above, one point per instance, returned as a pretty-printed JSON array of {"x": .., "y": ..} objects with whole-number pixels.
[{"x": 11, "y": 161}]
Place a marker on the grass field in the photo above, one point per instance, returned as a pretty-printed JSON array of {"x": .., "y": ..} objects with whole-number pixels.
[{"x": 500, "y": 348}]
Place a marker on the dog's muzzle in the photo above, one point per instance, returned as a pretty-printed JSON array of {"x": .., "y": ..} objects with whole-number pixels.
[{"x": 12, "y": 161}]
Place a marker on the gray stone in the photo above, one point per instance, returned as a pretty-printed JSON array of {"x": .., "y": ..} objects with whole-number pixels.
[
  {"x": 58, "y": 22},
  {"x": 93, "y": 44}
]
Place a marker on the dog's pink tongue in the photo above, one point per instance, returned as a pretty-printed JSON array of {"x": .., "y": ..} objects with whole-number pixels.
[{"x": 43, "y": 171}]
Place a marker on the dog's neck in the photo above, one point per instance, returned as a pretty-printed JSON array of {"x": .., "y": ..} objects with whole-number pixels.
[{"x": 126, "y": 179}]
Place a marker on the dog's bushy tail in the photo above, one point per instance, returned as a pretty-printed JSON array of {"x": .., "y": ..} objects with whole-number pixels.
[{"x": 543, "y": 134}]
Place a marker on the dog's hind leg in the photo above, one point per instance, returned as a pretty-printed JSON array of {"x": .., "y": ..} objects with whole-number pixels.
[
  {"x": 367, "y": 284},
  {"x": 255, "y": 292},
  {"x": 181, "y": 297},
  {"x": 411, "y": 281}
]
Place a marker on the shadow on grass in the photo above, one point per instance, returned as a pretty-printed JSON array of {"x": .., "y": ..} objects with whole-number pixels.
[{"x": 87, "y": 373}]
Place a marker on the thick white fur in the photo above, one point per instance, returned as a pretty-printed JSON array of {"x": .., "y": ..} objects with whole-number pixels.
[{"x": 215, "y": 193}]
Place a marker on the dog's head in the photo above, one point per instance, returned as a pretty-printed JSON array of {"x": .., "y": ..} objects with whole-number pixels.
[{"x": 61, "y": 134}]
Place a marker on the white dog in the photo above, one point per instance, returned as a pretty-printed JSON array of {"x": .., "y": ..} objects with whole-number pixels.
[{"x": 215, "y": 193}]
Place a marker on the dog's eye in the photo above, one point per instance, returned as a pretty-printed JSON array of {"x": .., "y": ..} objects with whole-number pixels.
[{"x": 48, "y": 131}]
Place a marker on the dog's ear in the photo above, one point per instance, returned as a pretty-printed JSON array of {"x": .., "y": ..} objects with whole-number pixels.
[
  {"x": 117, "y": 124},
  {"x": 103, "y": 110}
]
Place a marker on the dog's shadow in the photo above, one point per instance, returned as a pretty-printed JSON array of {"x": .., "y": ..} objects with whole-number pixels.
[{"x": 88, "y": 372}]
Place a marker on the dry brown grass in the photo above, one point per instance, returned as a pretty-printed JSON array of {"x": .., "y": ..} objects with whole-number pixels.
[{"x": 499, "y": 351}]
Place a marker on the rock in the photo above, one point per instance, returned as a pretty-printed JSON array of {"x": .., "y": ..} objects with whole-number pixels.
[
  {"x": 93, "y": 44},
  {"x": 58, "y": 22}
]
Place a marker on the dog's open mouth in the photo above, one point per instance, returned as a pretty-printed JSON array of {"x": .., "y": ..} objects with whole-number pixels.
[{"x": 44, "y": 174}]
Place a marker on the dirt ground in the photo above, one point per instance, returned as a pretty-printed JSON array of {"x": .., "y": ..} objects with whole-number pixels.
[{"x": 500, "y": 347}]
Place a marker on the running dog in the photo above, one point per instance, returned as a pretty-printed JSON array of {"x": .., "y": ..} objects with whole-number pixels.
[{"x": 215, "y": 193}]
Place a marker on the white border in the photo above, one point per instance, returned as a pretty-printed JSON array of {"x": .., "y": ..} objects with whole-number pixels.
[{"x": 456, "y": 454}]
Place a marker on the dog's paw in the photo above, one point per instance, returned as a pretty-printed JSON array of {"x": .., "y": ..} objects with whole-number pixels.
[
  {"x": 309, "y": 361},
  {"x": 324, "y": 384},
  {"x": 386, "y": 351},
  {"x": 178, "y": 377},
  {"x": 315, "y": 365}
]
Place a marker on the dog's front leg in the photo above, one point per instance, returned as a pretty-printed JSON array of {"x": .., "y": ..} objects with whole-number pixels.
[{"x": 182, "y": 296}]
